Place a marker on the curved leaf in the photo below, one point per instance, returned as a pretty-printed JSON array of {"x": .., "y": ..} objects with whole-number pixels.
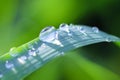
[{"x": 22, "y": 61}]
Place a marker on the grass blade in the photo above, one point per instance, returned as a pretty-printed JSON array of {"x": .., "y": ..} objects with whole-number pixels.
[{"x": 22, "y": 61}]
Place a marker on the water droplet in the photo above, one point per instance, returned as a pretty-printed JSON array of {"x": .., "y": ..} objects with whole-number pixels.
[
  {"x": 95, "y": 29},
  {"x": 13, "y": 53},
  {"x": 49, "y": 28},
  {"x": 82, "y": 30},
  {"x": 9, "y": 65},
  {"x": 50, "y": 34},
  {"x": 108, "y": 39},
  {"x": 22, "y": 59},
  {"x": 64, "y": 27},
  {"x": 13, "y": 48},
  {"x": 32, "y": 53},
  {"x": 1, "y": 75},
  {"x": 33, "y": 49}
]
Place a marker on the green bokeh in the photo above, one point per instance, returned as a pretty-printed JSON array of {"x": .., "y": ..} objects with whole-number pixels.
[{"x": 22, "y": 20}]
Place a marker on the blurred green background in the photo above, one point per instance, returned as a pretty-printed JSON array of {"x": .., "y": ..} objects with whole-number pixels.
[{"x": 22, "y": 20}]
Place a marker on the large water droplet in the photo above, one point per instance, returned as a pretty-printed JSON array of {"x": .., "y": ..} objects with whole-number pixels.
[
  {"x": 95, "y": 29},
  {"x": 50, "y": 34},
  {"x": 64, "y": 27},
  {"x": 9, "y": 65}
]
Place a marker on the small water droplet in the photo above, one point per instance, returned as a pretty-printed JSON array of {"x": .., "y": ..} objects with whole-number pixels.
[
  {"x": 82, "y": 30},
  {"x": 13, "y": 48},
  {"x": 22, "y": 59},
  {"x": 32, "y": 53},
  {"x": 33, "y": 49},
  {"x": 9, "y": 65},
  {"x": 50, "y": 34},
  {"x": 108, "y": 39},
  {"x": 13, "y": 53},
  {"x": 64, "y": 27},
  {"x": 95, "y": 29}
]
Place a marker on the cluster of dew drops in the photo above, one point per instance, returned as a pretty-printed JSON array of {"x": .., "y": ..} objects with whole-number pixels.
[{"x": 50, "y": 35}]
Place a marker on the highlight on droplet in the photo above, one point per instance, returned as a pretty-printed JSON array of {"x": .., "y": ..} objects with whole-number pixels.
[{"x": 22, "y": 59}]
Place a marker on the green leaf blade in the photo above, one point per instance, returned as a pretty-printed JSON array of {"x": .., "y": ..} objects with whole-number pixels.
[{"x": 43, "y": 51}]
